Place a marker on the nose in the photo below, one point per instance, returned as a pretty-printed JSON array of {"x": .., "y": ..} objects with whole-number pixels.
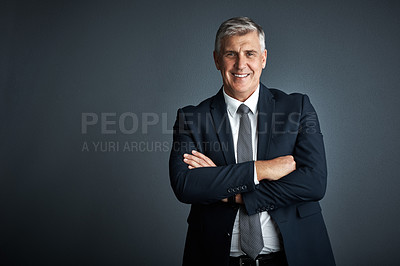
[{"x": 240, "y": 62}]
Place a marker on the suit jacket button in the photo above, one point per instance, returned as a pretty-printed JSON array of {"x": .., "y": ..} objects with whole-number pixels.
[
  {"x": 244, "y": 187},
  {"x": 230, "y": 190}
]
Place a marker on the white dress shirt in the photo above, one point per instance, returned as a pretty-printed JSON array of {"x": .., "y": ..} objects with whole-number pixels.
[{"x": 268, "y": 228}]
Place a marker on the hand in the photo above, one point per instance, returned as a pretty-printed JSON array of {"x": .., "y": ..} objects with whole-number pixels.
[
  {"x": 276, "y": 168},
  {"x": 238, "y": 198},
  {"x": 197, "y": 159}
]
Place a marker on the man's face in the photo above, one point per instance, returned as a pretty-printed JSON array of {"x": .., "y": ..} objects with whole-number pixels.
[{"x": 241, "y": 62}]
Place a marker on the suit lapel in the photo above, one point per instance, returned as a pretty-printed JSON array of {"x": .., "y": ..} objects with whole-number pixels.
[
  {"x": 266, "y": 107},
  {"x": 222, "y": 127}
]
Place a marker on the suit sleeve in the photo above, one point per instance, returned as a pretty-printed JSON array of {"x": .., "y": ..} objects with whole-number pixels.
[
  {"x": 207, "y": 184},
  {"x": 307, "y": 182}
]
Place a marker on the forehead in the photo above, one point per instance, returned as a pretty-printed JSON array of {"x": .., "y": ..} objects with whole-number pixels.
[{"x": 248, "y": 41}]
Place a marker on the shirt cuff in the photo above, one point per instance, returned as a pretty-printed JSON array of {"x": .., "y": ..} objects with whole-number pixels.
[{"x": 256, "y": 182}]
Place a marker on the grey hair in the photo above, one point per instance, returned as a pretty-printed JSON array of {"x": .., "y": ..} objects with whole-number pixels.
[{"x": 238, "y": 26}]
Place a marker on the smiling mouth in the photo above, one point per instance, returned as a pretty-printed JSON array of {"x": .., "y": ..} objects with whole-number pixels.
[{"x": 241, "y": 76}]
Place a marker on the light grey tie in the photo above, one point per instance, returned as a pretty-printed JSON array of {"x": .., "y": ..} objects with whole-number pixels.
[{"x": 251, "y": 240}]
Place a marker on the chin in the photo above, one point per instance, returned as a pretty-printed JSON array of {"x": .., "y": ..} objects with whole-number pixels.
[{"x": 242, "y": 89}]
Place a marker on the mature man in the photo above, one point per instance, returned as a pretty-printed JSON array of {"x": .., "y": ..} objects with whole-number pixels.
[{"x": 251, "y": 161}]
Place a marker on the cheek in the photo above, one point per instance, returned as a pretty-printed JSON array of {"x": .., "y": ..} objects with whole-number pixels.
[
  {"x": 257, "y": 67},
  {"x": 227, "y": 65},
  {"x": 227, "y": 71}
]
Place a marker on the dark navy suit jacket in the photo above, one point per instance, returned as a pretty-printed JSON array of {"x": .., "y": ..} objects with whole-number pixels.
[{"x": 287, "y": 124}]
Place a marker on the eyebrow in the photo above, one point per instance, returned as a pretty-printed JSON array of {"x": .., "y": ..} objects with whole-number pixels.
[
  {"x": 246, "y": 51},
  {"x": 253, "y": 51}
]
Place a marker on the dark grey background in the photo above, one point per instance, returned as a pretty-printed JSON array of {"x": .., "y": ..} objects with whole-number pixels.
[{"x": 59, "y": 59}]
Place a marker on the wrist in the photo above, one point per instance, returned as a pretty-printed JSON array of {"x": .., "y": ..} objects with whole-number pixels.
[{"x": 258, "y": 169}]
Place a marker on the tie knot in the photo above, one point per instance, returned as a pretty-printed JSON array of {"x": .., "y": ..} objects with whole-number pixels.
[{"x": 243, "y": 109}]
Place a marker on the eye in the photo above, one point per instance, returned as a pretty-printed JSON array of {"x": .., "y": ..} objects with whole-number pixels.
[
  {"x": 230, "y": 54},
  {"x": 250, "y": 53}
]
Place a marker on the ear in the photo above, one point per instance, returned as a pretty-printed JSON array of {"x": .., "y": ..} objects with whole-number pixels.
[
  {"x": 264, "y": 58},
  {"x": 216, "y": 59}
]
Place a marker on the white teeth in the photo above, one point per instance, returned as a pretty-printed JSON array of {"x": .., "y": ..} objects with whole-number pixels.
[{"x": 241, "y": 76}]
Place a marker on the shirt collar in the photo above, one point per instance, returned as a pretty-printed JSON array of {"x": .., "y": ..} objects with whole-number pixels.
[{"x": 232, "y": 104}]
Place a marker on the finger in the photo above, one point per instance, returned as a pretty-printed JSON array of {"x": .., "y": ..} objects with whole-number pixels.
[
  {"x": 205, "y": 158},
  {"x": 196, "y": 159},
  {"x": 192, "y": 163}
]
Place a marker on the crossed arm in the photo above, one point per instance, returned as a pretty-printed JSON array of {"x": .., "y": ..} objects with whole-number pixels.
[
  {"x": 285, "y": 180},
  {"x": 270, "y": 170}
]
